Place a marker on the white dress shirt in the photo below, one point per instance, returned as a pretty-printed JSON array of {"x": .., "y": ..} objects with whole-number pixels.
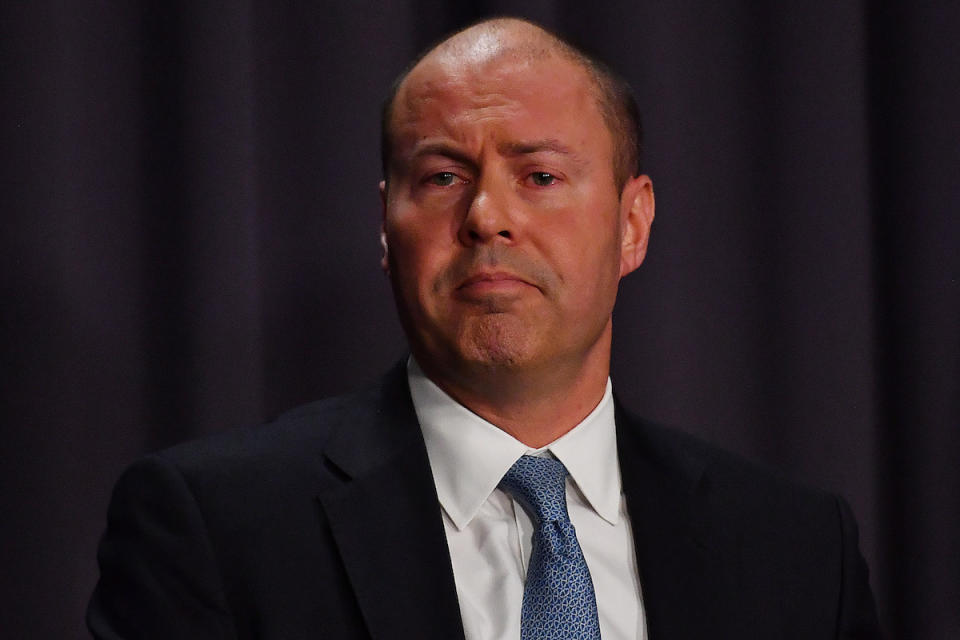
[{"x": 489, "y": 534}]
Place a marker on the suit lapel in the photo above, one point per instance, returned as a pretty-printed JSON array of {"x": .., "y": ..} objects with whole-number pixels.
[
  {"x": 385, "y": 518},
  {"x": 386, "y": 521},
  {"x": 687, "y": 566}
]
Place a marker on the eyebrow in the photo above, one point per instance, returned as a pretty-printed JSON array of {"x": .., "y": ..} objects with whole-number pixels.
[
  {"x": 546, "y": 145},
  {"x": 441, "y": 149},
  {"x": 510, "y": 149},
  {"x": 549, "y": 145}
]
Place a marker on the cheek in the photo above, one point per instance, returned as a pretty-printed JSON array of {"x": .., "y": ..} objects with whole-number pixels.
[
  {"x": 416, "y": 261},
  {"x": 590, "y": 267},
  {"x": 419, "y": 235},
  {"x": 585, "y": 241}
]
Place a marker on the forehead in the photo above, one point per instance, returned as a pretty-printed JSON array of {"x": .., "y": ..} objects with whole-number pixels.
[{"x": 545, "y": 95}]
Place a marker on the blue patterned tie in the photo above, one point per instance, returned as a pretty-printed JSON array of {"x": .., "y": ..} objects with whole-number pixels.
[{"x": 558, "y": 599}]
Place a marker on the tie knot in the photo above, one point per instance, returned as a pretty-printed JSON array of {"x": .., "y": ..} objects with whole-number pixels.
[{"x": 539, "y": 485}]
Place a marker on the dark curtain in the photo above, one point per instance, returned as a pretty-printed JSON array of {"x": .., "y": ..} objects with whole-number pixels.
[{"x": 190, "y": 222}]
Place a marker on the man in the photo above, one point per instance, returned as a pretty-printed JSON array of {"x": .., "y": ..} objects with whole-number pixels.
[{"x": 490, "y": 487}]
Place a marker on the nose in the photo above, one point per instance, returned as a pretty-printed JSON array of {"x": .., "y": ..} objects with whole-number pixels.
[{"x": 488, "y": 217}]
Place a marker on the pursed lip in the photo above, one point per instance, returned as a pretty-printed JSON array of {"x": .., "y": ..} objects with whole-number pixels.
[{"x": 493, "y": 279}]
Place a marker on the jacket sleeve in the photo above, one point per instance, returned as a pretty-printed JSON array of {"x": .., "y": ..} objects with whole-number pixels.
[
  {"x": 158, "y": 574},
  {"x": 858, "y": 615}
]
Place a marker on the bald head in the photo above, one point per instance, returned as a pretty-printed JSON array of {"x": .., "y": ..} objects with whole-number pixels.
[
  {"x": 493, "y": 40},
  {"x": 522, "y": 42}
]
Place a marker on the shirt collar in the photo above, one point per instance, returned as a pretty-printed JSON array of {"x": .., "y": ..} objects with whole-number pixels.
[{"x": 469, "y": 455}]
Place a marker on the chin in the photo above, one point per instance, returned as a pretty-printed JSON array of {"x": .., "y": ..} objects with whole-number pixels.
[
  {"x": 497, "y": 342},
  {"x": 494, "y": 357}
]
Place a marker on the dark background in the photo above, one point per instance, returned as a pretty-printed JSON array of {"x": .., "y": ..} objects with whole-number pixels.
[{"x": 190, "y": 220}]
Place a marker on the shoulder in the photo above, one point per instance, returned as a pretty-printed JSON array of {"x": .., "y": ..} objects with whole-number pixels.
[
  {"x": 792, "y": 546},
  {"x": 290, "y": 449},
  {"x": 297, "y": 433},
  {"x": 735, "y": 488}
]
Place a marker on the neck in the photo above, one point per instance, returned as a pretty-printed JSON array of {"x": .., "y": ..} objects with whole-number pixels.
[{"x": 535, "y": 405}]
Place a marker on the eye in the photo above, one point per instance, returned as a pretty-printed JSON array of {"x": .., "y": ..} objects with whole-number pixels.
[
  {"x": 542, "y": 178},
  {"x": 442, "y": 179}
]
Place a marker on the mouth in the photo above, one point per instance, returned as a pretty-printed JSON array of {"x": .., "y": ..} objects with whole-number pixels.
[
  {"x": 491, "y": 276},
  {"x": 487, "y": 283}
]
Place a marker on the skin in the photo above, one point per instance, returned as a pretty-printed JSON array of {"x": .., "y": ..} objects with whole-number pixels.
[{"x": 504, "y": 234}]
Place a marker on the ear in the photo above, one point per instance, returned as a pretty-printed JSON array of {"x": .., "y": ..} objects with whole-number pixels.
[
  {"x": 384, "y": 262},
  {"x": 636, "y": 217}
]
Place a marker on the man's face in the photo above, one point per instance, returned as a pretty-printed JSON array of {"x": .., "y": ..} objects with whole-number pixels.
[{"x": 505, "y": 234}]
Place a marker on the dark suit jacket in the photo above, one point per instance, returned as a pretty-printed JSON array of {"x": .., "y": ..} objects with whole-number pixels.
[{"x": 326, "y": 524}]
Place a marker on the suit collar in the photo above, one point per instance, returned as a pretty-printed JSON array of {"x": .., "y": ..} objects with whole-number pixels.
[
  {"x": 687, "y": 565},
  {"x": 385, "y": 517},
  {"x": 374, "y": 427}
]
